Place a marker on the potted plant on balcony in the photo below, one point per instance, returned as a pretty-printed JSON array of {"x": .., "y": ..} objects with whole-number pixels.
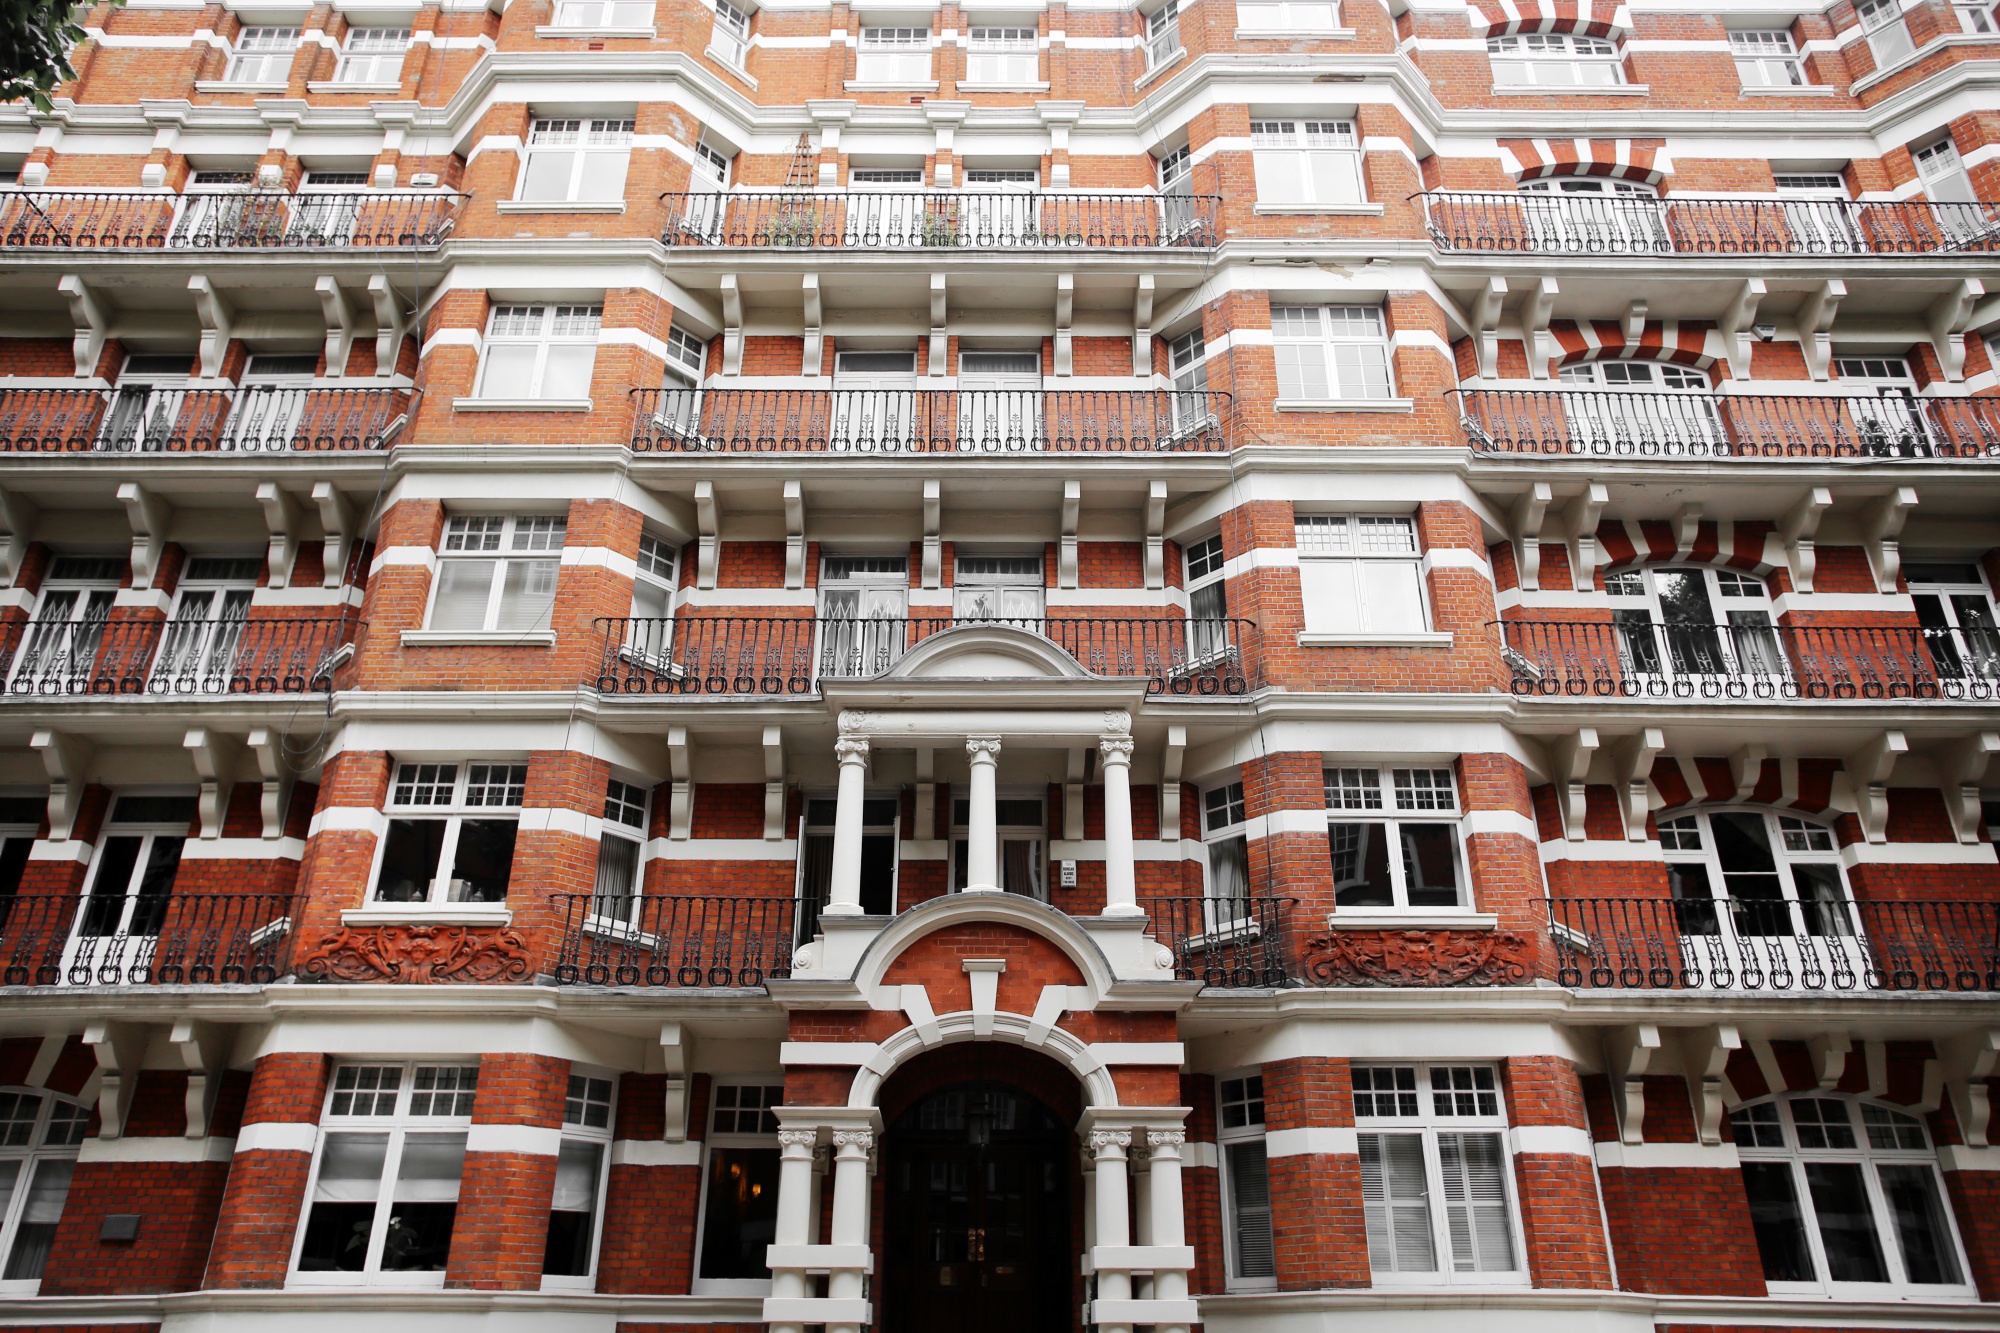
[
  {"x": 793, "y": 225},
  {"x": 941, "y": 227}
]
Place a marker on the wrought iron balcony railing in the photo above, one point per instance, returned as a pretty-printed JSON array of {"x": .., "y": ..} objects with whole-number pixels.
[
  {"x": 1592, "y": 424},
  {"x": 256, "y": 419},
  {"x": 1748, "y": 659},
  {"x": 777, "y": 655},
  {"x": 1659, "y": 943},
  {"x": 167, "y": 939},
  {"x": 940, "y": 220},
  {"x": 125, "y": 220},
  {"x": 929, "y": 421},
  {"x": 689, "y": 941},
  {"x": 215, "y": 657},
  {"x": 1232, "y": 942},
  {"x": 1531, "y": 222}
]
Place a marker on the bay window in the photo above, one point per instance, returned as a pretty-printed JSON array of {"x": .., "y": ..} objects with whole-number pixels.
[
  {"x": 384, "y": 1195},
  {"x": 1888, "y": 36},
  {"x": 1240, "y": 1136},
  {"x": 576, "y": 159},
  {"x": 540, "y": 352},
  {"x": 1307, "y": 162},
  {"x": 497, "y": 573},
  {"x": 1327, "y": 352},
  {"x": 1394, "y": 838},
  {"x": 39, "y": 1136},
  {"x": 575, "y": 1207},
  {"x": 451, "y": 833},
  {"x": 1435, "y": 1177},
  {"x": 1360, "y": 574}
]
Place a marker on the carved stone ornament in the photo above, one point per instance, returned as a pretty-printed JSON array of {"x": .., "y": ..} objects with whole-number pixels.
[
  {"x": 1165, "y": 1138},
  {"x": 1115, "y": 749},
  {"x": 864, "y": 1139},
  {"x": 978, "y": 745},
  {"x": 418, "y": 955},
  {"x": 853, "y": 748},
  {"x": 1100, "y": 1139},
  {"x": 1420, "y": 958},
  {"x": 797, "y": 1138}
]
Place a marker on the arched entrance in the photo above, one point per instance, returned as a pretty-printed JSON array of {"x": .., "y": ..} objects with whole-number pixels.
[{"x": 980, "y": 1195}]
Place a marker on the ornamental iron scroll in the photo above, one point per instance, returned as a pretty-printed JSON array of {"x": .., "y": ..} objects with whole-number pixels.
[
  {"x": 418, "y": 955},
  {"x": 1420, "y": 958}
]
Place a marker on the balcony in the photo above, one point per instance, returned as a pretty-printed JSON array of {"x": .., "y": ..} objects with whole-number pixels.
[
  {"x": 179, "y": 939},
  {"x": 149, "y": 420},
  {"x": 174, "y": 658},
  {"x": 1659, "y": 943},
  {"x": 974, "y": 422},
  {"x": 774, "y": 656},
  {"x": 1748, "y": 662},
  {"x": 116, "y": 221},
  {"x": 1534, "y": 223},
  {"x": 928, "y": 220},
  {"x": 1709, "y": 426}
]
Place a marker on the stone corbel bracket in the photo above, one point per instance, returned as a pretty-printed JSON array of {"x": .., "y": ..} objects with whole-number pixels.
[
  {"x": 1632, "y": 765},
  {"x": 774, "y": 784},
  {"x": 1529, "y": 513},
  {"x": 1868, "y": 770},
  {"x": 148, "y": 515},
  {"x": 336, "y": 520},
  {"x": 1963, "y": 767},
  {"x": 1968, "y": 1060},
  {"x": 268, "y": 747},
  {"x": 1797, "y": 530},
  {"x": 1066, "y": 551},
  {"x": 66, "y": 758},
  {"x": 1628, "y": 1053},
  {"x": 933, "y": 571},
  {"x": 119, "y": 1048},
  {"x": 204, "y": 1052},
  {"x": 214, "y": 755},
  {"x": 1156, "y": 535},
  {"x": 795, "y": 535},
  {"x": 1569, "y": 764},
  {"x": 680, "y": 799},
  {"x": 708, "y": 537},
  {"x": 1881, "y": 527},
  {"x": 674, "y": 1056},
  {"x": 1705, "y": 1053}
]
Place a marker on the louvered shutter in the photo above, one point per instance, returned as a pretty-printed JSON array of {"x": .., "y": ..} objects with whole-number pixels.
[
  {"x": 1396, "y": 1204},
  {"x": 1250, "y": 1209},
  {"x": 1475, "y": 1200}
]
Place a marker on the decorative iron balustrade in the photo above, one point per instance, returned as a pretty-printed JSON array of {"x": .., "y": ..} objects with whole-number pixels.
[
  {"x": 1659, "y": 943},
  {"x": 1748, "y": 659},
  {"x": 167, "y": 939},
  {"x": 705, "y": 940},
  {"x": 929, "y": 421},
  {"x": 940, "y": 220},
  {"x": 1595, "y": 424},
  {"x": 121, "y": 220},
  {"x": 1532, "y": 222},
  {"x": 778, "y": 655},
  {"x": 1230, "y": 942},
  {"x": 219, "y": 656},
  {"x": 255, "y": 419}
]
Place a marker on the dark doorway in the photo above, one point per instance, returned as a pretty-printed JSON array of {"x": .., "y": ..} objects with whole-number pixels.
[{"x": 977, "y": 1223}]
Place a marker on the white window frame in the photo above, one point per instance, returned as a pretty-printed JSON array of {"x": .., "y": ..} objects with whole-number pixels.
[
  {"x": 555, "y": 332},
  {"x": 1243, "y": 1091},
  {"x": 1963, "y": 611},
  {"x": 110, "y": 914},
  {"x": 1307, "y": 163},
  {"x": 1767, "y": 58},
  {"x": 604, "y": 15},
  {"x": 1002, "y": 55},
  {"x": 262, "y": 54},
  {"x": 1361, "y": 575},
  {"x": 1555, "y": 60},
  {"x": 1796, "y": 843},
  {"x": 729, "y": 38},
  {"x": 893, "y": 55},
  {"x": 712, "y": 166},
  {"x": 403, "y": 1120},
  {"x": 1163, "y": 35},
  {"x": 421, "y": 791},
  {"x": 1225, "y": 836},
  {"x": 525, "y": 555},
  {"x": 997, "y": 586},
  {"x": 373, "y": 55},
  {"x": 1871, "y": 1154},
  {"x": 60, "y": 641},
  {"x": 1739, "y": 639},
  {"x": 582, "y": 1133},
  {"x": 627, "y": 808},
  {"x": 211, "y": 609},
  {"x": 1942, "y": 173},
  {"x": 718, "y": 1140},
  {"x": 1205, "y": 581},
  {"x": 563, "y": 154},
  {"x": 1332, "y": 353},
  {"x": 1176, "y": 170},
  {"x": 654, "y": 586},
  {"x": 1287, "y": 17},
  {"x": 1392, "y": 795},
  {"x": 27, "y": 1145},
  {"x": 1888, "y": 35},
  {"x": 1430, "y": 1123}
]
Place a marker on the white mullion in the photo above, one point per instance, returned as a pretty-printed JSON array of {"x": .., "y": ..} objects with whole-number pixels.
[
  {"x": 312, "y": 1185},
  {"x": 1878, "y": 1207},
  {"x": 447, "y": 860},
  {"x": 1808, "y": 1211},
  {"x": 1434, "y": 1201},
  {"x": 495, "y": 590},
  {"x": 392, "y": 1165}
]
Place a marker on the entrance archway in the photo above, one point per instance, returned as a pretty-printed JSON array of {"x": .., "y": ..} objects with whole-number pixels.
[{"x": 980, "y": 1194}]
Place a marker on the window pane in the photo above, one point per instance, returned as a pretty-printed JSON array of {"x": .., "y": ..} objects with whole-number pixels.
[
  {"x": 1332, "y": 601},
  {"x": 742, "y": 1215},
  {"x": 567, "y": 1253},
  {"x": 1250, "y": 1209},
  {"x": 1336, "y": 177},
  {"x": 1775, "y": 1216},
  {"x": 1396, "y": 1204},
  {"x": 528, "y": 595},
  {"x": 47, "y": 1192},
  {"x": 1279, "y": 180},
  {"x": 1846, "y": 1223},
  {"x": 1475, "y": 1199},
  {"x": 1229, "y": 870},
  {"x": 343, "y": 1209},
  {"x": 617, "y": 877},
  {"x": 485, "y": 860},
  {"x": 548, "y": 174},
  {"x": 603, "y": 176},
  {"x": 410, "y": 860},
  {"x": 1392, "y": 596},
  {"x": 1361, "y": 865},
  {"x": 464, "y": 587},
  {"x": 568, "y": 371},
  {"x": 1430, "y": 864},
  {"x": 426, "y": 1204},
  {"x": 1921, "y": 1231},
  {"x": 1301, "y": 370}
]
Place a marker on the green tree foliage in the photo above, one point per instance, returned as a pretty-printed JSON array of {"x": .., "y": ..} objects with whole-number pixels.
[{"x": 35, "y": 40}]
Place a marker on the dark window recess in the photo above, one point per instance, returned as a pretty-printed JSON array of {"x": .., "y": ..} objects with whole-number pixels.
[
  {"x": 410, "y": 860},
  {"x": 485, "y": 861},
  {"x": 567, "y": 1253},
  {"x": 742, "y": 1216},
  {"x": 177, "y": 811}
]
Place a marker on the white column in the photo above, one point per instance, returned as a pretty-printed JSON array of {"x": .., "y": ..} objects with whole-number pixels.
[
  {"x": 851, "y": 1148},
  {"x": 794, "y": 1223},
  {"x": 1140, "y": 1169},
  {"x": 982, "y": 832},
  {"x": 844, "y": 893},
  {"x": 1113, "y": 1226},
  {"x": 1165, "y": 1208},
  {"x": 1121, "y": 895}
]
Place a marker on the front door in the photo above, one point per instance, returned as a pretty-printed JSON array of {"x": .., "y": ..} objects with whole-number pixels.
[{"x": 978, "y": 1218}]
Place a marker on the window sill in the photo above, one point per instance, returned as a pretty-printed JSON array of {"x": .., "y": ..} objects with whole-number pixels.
[
  {"x": 854, "y": 86},
  {"x": 731, "y": 67},
  {"x": 1161, "y": 68},
  {"x": 446, "y": 914},
  {"x": 225, "y": 86},
  {"x": 1346, "y": 210},
  {"x": 520, "y": 404},
  {"x": 1808, "y": 90},
  {"x": 1569, "y": 90},
  {"x": 1379, "y": 918},
  {"x": 966, "y": 85},
  {"x": 548, "y": 30},
  {"x": 1279, "y": 35},
  {"x": 561, "y": 206},
  {"x": 1322, "y": 639},
  {"x": 474, "y": 638},
  {"x": 1345, "y": 405},
  {"x": 336, "y": 86}
]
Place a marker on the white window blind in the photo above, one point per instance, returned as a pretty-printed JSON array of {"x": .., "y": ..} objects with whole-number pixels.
[
  {"x": 1163, "y": 34},
  {"x": 1434, "y": 1172},
  {"x": 1330, "y": 351},
  {"x": 729, "y": 40},
  {"x": 1307, "y": 162},
  {"x": 1943, "y": 174},
  {"x": 1250, "y": 1209},
  {"x": 574, "y": 160}
]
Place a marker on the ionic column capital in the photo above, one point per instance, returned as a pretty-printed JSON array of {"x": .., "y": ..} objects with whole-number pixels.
[
  {"x": 797, "y": 1142},
  {"x": 1115, "y": 749},
  {"x": 986, "y": 746},
  {"x": 851, "y": 749},
  {"x": 1110, "y": 1143}
]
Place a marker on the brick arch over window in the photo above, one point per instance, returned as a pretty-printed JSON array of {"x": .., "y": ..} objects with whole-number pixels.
[
  {"x": 1585, "y": 18},
  {"x": 1725, "y": 544},
  {"x": 1644, "y": 161},
  {"x": 1686, "y": 784},
  {"x": 1682, "y": 342}
]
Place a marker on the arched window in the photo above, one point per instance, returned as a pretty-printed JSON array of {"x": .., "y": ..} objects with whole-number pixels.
[
  {"x": 1623, "y": 407},
  {"x": 1845, "y": 1197},
  {"x": 39, "y": 1134},
  {"x": 1595, "y": 215},
  {"x": 1762, "y": 894},
  {"x": 1554, "y": 59},
  {"x": 1694, "y": 624}
]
